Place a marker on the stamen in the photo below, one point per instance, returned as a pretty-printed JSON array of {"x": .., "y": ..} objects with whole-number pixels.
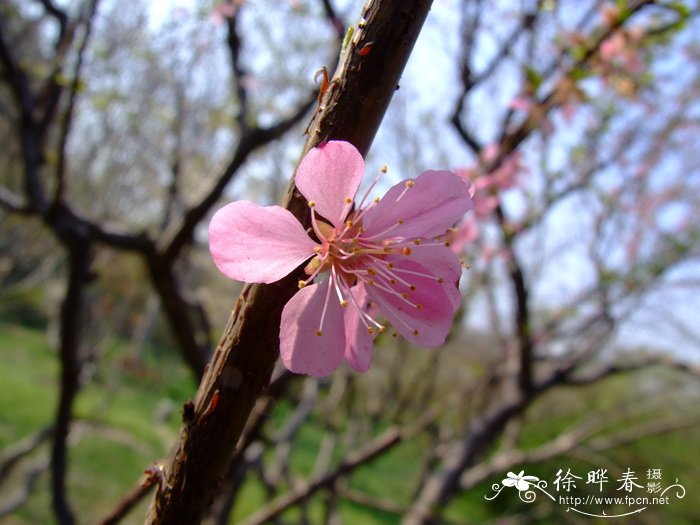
[
  {"x": 371, "y": 187},
  {"x": 409, "y": 185},
  {"x": 319, "y": 332},
  {"x": 419, "y": 274},
  {"x": 336, "y": 284},
  {"x": 382, "y": 234}
]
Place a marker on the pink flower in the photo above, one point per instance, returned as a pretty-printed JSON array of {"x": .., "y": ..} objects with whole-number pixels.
[{"x": 386, "y": 257}]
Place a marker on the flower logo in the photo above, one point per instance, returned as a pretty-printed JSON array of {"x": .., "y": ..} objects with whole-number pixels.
[{"x": 519, "y": 481}]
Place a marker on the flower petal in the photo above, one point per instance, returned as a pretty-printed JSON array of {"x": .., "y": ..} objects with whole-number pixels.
[
  {"x": 426, "y": 326},
  {"x": 359, "y": 344},
  {"x": 429, "y": 208},
  {"x": 442, "y": 263},
  {"x": 302, "y": 350},
  {"x": 521, "y": 485},
  {"x": 257, "y": 244},
  {"x": 330, "y": 174}
]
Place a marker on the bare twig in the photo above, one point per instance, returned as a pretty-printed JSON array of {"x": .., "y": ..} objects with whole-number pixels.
[
  {"x": 374, "y": 448},
  {"x": 15, "y": 453}
]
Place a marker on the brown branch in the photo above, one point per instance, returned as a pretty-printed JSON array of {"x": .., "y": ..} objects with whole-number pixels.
[
  {"x": 353, "y": 108},
  {"x": 72, "y": 322},
  {"x": 388, "y": 439},
  {"x": 29, "y": 138},
  {"x": 67, "y": 119},
  {"x": 13, "y": 203},
  {"x": 60, "y": 17},
  {"x": 16, "y": 452},
  {"x": 23, "y": 490},
  {"x": 127, "y": 504}
]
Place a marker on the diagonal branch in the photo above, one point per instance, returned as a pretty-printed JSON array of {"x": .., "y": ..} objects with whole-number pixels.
[
  {"x": 352, "y": 109},
  {"x": 385, "y": 441}
]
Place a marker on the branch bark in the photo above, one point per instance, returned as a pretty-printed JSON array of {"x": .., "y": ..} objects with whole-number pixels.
[{"x": 240, "y": 370}]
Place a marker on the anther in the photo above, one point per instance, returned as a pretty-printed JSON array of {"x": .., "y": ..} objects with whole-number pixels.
[
  {"x": 312, "y": 204},
  {"x": 319, "y": 333},
  {"x": 441, "y": 280},
  {"x": 400, "y": 221},
  {"x": 301, "y": 284},
  {"x": 416, "y": 242},
  {"x": 343, "y": 303},
  {"x": 370, "y": 329},
  {"x": 348, "y": 200},
  {"x": 392, "y": 281},
  {"x": 416, "y": 332},
  {"x": 410, "y": 183},
  {"x": 405, "y": 295},
  {"x": 447, "y": 243},
  {"x": 419, "y": 306},
  {"x": 382, "y": 328},
  {"x": 390, "y": 266},
  {"x": 413, "y": 287},
  {"x": 406, "y": 250},
  {"x": 348, "y": 224},
  {"x": 384, "y": 168}
]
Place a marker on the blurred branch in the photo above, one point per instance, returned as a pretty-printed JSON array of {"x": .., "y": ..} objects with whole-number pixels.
[
  {"x": 234, "y": 44},
  {"x": 240, "y": 463},
  {"x": 603, "y": 372},
  {"x": 72, "y": 323},
  {"x": 13, "y": 454},
  {"x": 60, "y": 17},
  {"x": 28, "y": 126},
  {"x": 24, "y": 488},
  {"x": 388, "y": 439},
  {"x": 73, "y": 90},
  {"x": 13, "y": 203},
  {"x": 127, "y": 504},
  {"x": 252, "y": 139}
]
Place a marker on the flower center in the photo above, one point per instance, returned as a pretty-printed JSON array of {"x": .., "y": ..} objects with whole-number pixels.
[{"x": 352, "y": 256}]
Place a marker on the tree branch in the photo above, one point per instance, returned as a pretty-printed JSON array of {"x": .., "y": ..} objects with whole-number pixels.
[
  {"x": 388, "y": 439},
  {"x": 241, "y": 367}
]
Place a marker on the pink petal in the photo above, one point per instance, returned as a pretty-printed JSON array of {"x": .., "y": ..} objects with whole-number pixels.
[
  {"x": 359, "y": 344},
  {"x": 330, "y": 174},
  {"x": 427, "y": 326},
  {"x": 437, "y": 200},
  {"x": 257, "y": 244},
  {"x": 302, "y": 350},
  {"x": 442, "y": 263}
]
